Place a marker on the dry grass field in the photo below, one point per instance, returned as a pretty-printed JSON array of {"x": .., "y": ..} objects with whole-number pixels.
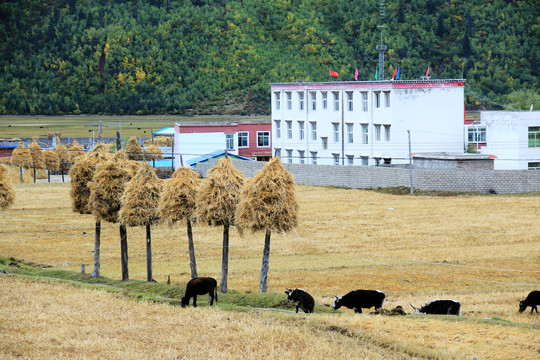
[{"x": 481, "y": 250}]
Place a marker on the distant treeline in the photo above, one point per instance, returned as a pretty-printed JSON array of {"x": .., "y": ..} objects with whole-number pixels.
[{"x": 219, "y": 56}]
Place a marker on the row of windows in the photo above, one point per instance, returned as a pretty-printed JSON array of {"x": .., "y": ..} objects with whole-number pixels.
[
  {"x": 335, "y": 100},
  {"x": 263, "y": 139},
  {"x": 302, "y": 159},
  {"x": 476, "y": 134},
  {"x": 336, "y": 133}
]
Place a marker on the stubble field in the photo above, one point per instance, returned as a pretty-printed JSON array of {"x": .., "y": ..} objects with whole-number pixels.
[{"x": 481, "y": 250}]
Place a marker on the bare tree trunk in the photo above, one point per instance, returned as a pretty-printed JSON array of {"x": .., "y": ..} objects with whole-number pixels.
[
  {"x": 192, "y": 262},
  {"x": 263, "y": 285},
  {"x": 21, "y": 172},
  {"x": 149, "y": 276},
  {"x": 97, "y": 244},
  {"x": 124, "y": 252},
  {"x": 62, "y": 175},
  {"x": 225, "y": 260},
  {"x": 34, "y": 175}
]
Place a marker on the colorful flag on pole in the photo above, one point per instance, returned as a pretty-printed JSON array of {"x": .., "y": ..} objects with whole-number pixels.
[
  {"x": 333, "y": 73},
  {"x": 394, "y": 74},
  {"x": 397, "y": 75},
  {"x": 427, "y": 72},
  {"x": 356, "y": 74},
  {"x": 377, "y": 74}
]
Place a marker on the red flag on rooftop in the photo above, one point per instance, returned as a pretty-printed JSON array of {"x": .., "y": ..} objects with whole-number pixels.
[
  {"x": 394, "y": 75},
  {"x": 356, "y": 74},
  {"x": 427, "y": 72},
  {"x": 333, "y": 73}
]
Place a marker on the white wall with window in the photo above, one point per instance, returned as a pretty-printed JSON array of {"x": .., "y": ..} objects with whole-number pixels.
[
  {"x": 368, "y": 119},
  {"x": 513, "y": 137}
]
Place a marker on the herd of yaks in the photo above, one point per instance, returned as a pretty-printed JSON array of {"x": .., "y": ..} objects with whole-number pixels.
[{"x": 355, "y": 300}]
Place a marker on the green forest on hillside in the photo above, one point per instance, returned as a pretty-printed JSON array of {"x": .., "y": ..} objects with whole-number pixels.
[{"x": 219, "y": 56}]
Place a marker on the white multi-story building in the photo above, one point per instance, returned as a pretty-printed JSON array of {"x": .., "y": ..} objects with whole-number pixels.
[
  {"x": 513, "y": 137},
  {"x": 366, "y": 122}
]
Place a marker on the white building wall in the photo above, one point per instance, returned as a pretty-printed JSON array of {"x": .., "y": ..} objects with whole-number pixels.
[
  {"x": 507, "y": 138},
  {"x": 432, "y": 111}
]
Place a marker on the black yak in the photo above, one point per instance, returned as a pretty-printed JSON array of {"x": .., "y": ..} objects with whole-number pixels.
[
  {"x": 301, "y": 299},
  {"x": 358, "y": 299},
  {"x": 439, "y": 307},
  {"x": 532, "y": 300},
  {"x": 200, "y": 286}
]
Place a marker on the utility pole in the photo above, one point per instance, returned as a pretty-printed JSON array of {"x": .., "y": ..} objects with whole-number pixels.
[{"x": 410, "y": 163}]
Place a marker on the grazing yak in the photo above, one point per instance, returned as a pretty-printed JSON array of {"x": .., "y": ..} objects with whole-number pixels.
[
  {"x": 301, "y": 299},
  {"x": 200, "y": 286},
  {"x": 532, "y": 300},
  {"x": 358, "y": 299},
  {"x": 439, "y": 307}
]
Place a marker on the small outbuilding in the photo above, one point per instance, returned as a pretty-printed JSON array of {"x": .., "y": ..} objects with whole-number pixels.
[{"x": 446, "y": 161}]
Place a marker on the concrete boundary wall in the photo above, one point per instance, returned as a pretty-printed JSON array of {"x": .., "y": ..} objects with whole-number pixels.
[{"x": 370, "y": 177}]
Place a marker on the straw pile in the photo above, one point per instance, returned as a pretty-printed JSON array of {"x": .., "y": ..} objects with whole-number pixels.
[
  {"x": 153, "y": 152},
  {"x": 134, "y": 150},
  {"x": 63, "y": 155},
  {"x": 22, "y": 157},
  {"x": 219, "y": 194},
  {"x": 268, "y": 201},
  {"x": 141, "y": 198},
  {"x": 51, "y": 160},
  {"x": 7, "y": 192},
  {"x": 106, "y": 190},
  {"x": 76, "y": 151},
  {"x": 178, "y": 201},
  {"x": 38, "y": 161},
  {"x": 81, "y": 174}
]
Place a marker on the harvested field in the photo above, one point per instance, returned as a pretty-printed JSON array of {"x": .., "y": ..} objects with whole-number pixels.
[{"x": 415, "y": 249}]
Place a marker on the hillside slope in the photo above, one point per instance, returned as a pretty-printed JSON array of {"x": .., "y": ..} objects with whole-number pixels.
[{"x": 201, "y": 56}]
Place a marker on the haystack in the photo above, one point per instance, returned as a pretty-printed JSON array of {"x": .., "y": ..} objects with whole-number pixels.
[
  {"x": 134, "y": 150},
  {"x": 38, "y": 162},
  {"x": 22, "y": 157},
  {"x": 63, "y": 155},
  {"x": 178, "y": 202},
  {"x": 81, "y": 174},
  {"x": 76, "y": 151},
  {"x": 140, "y": 204},
  {"x": 7, "y": 192},
  {"x": 153, "y": 152},
  {"x": 217, "y": 199},
  {"x": 268, "y": 203}
]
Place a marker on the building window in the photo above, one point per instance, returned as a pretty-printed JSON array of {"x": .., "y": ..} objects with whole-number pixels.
[
  {"x": 313, "y": 131},
  {"x": 350, "y": 101},
  {"x": 377, "y": 132},
  {"x": 350, "y": 134},
  {"x": 278, "y": 101},
  {"x": 364, "y": 161},
  {"x": 278, "y": 129},
  {"x": 336, "y": 101},
  {"x": 263, "y": 138},
  {"x": 289, "y": 101},
  {"x": 289, "y": 129},
  {"x": 534, "y": 136},
  {"x": 289, "y": 156},
  {"x": 335, "y": 127},
  {"x": 314, "y": 157},
  {"x": 387, "y": 98},
  {"x": 301, "y": 100},
  {"x": 325, "y": 100},
  {"x": 336, "y": 159},
  {"x": 313, "y": 101},
  {"x": 301, "y": 155},
  {"x": 301, "y": 129},
  {"x": 387, "y": 161},
  {"x": 476, "y": 134},
  {"x": 534, "y": 166},
  {"x": 364, "y": 134},
  {"x": 229, "y": 141},
  {"x": 364, "y": 102},
  {"x": 350, "y": 159},
  {"x": 387, "y": 133},
  {"x": 243, "y": 139},
  {"x": 324, "y": 143},
  {"x": 277, "y": 152},
  {"x": 377, "y": 99}
]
